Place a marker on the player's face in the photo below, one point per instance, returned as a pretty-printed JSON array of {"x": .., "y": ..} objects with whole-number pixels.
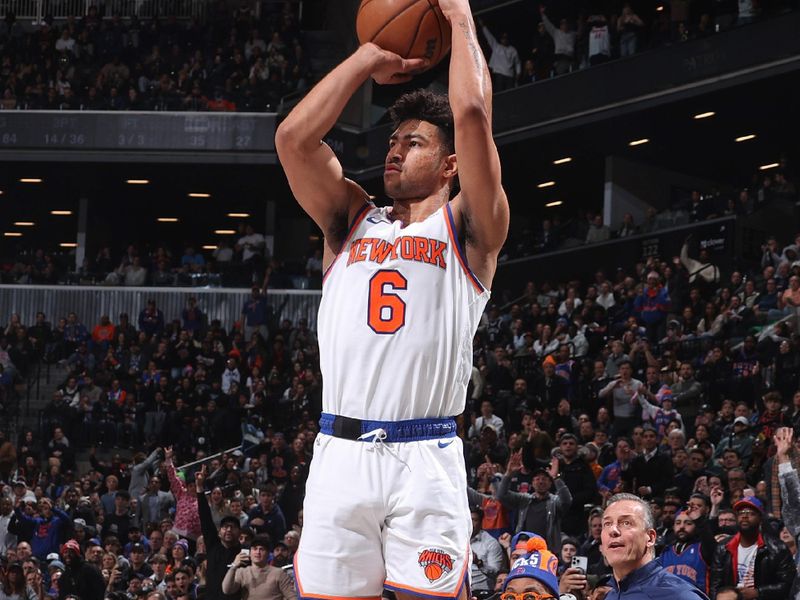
[{"x": 416, "y": 164}]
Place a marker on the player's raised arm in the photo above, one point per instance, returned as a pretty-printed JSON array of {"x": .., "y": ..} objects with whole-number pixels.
[
  {"x": 315, "y": 174},
  {"x": 482, "y": 203}
]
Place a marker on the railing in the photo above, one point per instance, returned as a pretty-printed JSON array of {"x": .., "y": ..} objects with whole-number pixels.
[
  {"x": 89, "y": 303},
  {"x": 37, "y": 10}
]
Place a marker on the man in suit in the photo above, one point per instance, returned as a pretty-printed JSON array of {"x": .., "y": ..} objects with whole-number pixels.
[{"x": 154, "y": 504}]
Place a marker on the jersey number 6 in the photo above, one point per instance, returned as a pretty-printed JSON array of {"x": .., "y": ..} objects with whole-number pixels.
[{"x": 386, "y": 312}]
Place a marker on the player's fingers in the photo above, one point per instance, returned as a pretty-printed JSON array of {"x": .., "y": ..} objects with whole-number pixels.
[{"x": 414, "y": 64}]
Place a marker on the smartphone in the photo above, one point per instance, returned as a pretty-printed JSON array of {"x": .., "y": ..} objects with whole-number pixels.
[{"x": 580, "y": 562}]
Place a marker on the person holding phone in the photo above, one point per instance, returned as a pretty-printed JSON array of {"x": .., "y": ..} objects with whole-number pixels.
[{"x": 251, "y": 574}]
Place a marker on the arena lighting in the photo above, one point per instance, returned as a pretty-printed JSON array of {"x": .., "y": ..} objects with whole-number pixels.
[
  {"x": 12, "y": 234},
  {"x": 638, "y": 142},
  {"x": 761, "y": 168},
  {"x": 546, "y": 184},
  {"x": 199, "y": 195},
  {"x": 31, "y": 180},
  {"x": 60, "y": 212},
  {"x": 137, "y": 181},
  {"x": 24, "y": 223},
  {"x": 68, "y": 245},
  {"x": 745, "y": 138},
  {"x": 167, "y": 219},
  {"x": 554, "y": 203},
  {"x": 209, "y": 247},
  {"x": 659, "y": 8},
  {"x": 225, "y": 231},
  {"x": 238, "y": 215},
  {"x": 705, "y": 115},
  {"x": 562, "y": 161}
]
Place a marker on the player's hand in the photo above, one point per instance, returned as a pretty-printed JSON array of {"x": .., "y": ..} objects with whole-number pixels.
[{"x": 392, "y": 68}]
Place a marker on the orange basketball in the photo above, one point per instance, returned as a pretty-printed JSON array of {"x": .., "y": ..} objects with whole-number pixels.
[
  {"x": 410, "y": 28},
  {"x": 433, "y": 571}
]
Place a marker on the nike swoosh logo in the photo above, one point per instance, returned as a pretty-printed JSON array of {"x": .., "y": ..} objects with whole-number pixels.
[{"x": 445, "y": 444}]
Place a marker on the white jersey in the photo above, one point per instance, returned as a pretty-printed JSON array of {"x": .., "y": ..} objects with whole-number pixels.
[{"x": 398, "y": 314}]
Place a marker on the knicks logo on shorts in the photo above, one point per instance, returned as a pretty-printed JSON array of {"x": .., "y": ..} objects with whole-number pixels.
[{"x": 435, "y": 562}]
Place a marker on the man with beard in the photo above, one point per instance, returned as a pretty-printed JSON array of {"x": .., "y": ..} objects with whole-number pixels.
[
  {"x": 80, "y": 578},
  {"x": 221, "y": 547},
  {"x": 693, "y": 551},
  {"x": 758, "y": 565}
]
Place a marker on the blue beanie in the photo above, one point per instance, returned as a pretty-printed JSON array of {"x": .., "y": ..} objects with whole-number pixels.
[{"x": 539, "y": 564}]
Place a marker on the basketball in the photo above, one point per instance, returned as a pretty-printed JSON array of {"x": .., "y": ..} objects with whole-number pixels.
[
  {"x": 433, "y": 571},
  {"x": 409, "y": 28}
]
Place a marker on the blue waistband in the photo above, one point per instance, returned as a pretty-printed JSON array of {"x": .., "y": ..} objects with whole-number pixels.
[{"x": 412, "y": 430}]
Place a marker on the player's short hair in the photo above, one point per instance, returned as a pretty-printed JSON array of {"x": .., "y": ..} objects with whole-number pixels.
[{"x": 426, "y": 106}]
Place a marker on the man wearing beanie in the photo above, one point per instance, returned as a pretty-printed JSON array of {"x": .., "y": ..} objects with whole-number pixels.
[
  {"x": 534, "y": 572},
  {"x": 628, "y": 545}
]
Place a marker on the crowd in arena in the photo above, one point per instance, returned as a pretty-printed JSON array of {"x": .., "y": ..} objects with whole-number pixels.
[
  {"x": 574, "y": 36},
  {"x": 228, "y": 61},
  {"x": 654, "y": 380}
]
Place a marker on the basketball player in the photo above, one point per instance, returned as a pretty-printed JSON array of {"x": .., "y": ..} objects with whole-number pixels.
[{"x": 403, "y": 291}]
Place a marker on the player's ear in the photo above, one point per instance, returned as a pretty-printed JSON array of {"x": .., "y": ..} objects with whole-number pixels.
[{"x": 450, "y": 166}]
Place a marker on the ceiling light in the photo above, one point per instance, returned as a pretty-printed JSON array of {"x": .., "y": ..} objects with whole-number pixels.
[
  {"x": 30, "y": 180},
  {"x": 199, "y": 195},
  {"x": 209, "y": 247},
  {"x": 705, "y": 115},
  {"x": 12, "y": 234},
  {"x": 554, "y": 203},
  {"x": 137, "y": 181},
  {"x": 761, "y": 168},
  {"x": 224, "y": 231},
  {"x": 1, "y": 192},
  {"x": 24, "y": 223},
  {"x": 562, "y": 161},
  {"x": 744, "y": 138},
  {"x": 60, "y": 212},
  {"x": 68, "y": 245},
  {"x": 638, "y": 142},
  {"x": 659, "y": 8},
  {"x": 546, "y": 184},
  {"x": 167, "y": 219},
  {"x": 238, "y": 215}
]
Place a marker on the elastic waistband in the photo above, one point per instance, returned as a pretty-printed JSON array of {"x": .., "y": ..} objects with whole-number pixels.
[{"x": 412, "y": 430}]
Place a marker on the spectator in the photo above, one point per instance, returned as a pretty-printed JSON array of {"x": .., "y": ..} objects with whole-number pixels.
[
  {"x": 48, "y": 529},
  {"x": 255, "y": 577},
  {"x": 504, "y": 62},
  {"x": 629, "y": 539},
  {"x": 758, "y": 564},
  {"x": 629, "y": 26},
  {"x": 487, "y": 554},
  {"x": 651, "y": 471},
  {"x": 598, "y": 232},
  {"x": 80, "y": 579},
  {"x": 540, "y": 511},
  {"x": 222, "y": 546},
  {"x": 564, "y": 41}
]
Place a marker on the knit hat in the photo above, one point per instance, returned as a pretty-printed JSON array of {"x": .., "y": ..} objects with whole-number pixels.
[
  {"x": 183, "y": 544},
  {"x": 71, "y": 545},
  {"x": 521, "y": 544},
  {"x": 539, "y": 564}
]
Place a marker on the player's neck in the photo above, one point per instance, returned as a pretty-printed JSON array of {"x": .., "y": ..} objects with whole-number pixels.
[{"x": 412, "y": 210}]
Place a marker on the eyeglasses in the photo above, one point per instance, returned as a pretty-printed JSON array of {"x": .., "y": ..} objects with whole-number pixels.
[
  {"x": 746, "y": 511},
  {"x": 526, "y": 596}
]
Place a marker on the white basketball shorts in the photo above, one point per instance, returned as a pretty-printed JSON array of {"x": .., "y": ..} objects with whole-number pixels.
[{"x": 384, "y": 515}]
